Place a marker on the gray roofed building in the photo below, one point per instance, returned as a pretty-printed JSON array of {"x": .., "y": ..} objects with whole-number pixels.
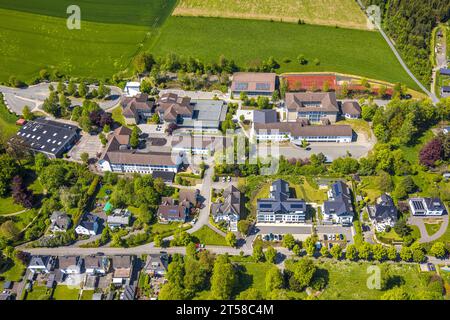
[
  {"x": 41, "y": 264},
  {"x": 96, "y": 264},
  {"x": 123, "y": 269},
  {"x": 445, "y": 91},
  {"x": 280, "y": 207},
  {"x": 230, "y": 209},
  {"x": 265, "y": 116},
  {"x": 199, "y": 145},
  {"x": 426, "y": 206},
  {"x": 70, "y": 264},
  {"x": 351, "y": 110},
  {"x": 338, "y": 208},
  {"x": 129, "y": 293},
  {"x": 49, "y": 137},
  {"x": 254, "y": 83},
  {"x": 60, "y": 221},
  {"x": 156, "y": 264},
  {"x": 312, "y": 106},
  {"x": 119, "y": 218},
  {"x": 137, "y": 109},
  {"x": 88, "y": 225},
  {"x": 383, "y": 213}
]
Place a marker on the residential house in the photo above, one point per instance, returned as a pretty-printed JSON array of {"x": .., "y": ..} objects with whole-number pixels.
[
  {"x": 383, "y": 213},
  {"x": 137, "y": 109},
  {"x": 118, "y": 157},
  {"x": 48, "y": 137},
  {"x": 172, "y": 210},
  {"x": 132, "y": 89},
  {"x": 156, "y": 264},
  {"x": 88, "y": 226},
  {"x": 229, "y": 209},
  {"x": 254, "y": 83},
  {"x": 426, "y": 206},
  {"x": 123, "y": 269},
  {"x": 96, "y": 265},
  {"x": 351, "y": 110},
  {"x": 42, "y": 264},
  {"x": 119, "y": 218},
  {"x": 129, "y": 293},
  {"x": 199, "y": 115},
  {"x": 280, "y": 207},
  {"x": 296, "y": 132},
  {"x": 338, "y": 208},
  {"x": 60, "y": 222},
  {"x": 311, "y": 106},
  {"x": 444, "y": 72},
  {"x": 70, "y": 264}
]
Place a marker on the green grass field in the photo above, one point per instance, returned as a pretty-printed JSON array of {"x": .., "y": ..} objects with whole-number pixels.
[
  {"x": 62, "y": 292},
  {"x": 8, "y": 206},
  {"x": 248, "y": 42},
  {"x": 34, "y": 35},
  {"x": 87, "y": 295},
  {"x": 432, "y": 228},
  {"x": 209, "y": 237},
  {"x": 7, "y": 119},
  {"x": 39, "y": 293},
  {"x": 341, "y": 274},
  {"x": 343, "y": 13}
]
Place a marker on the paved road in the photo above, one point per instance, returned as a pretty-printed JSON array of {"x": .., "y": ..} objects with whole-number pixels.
[
  {"x": 34, "y": 96},
  {"x": 332, "y": 151},
  {"x": 399, "y": 58},
  {"x": 424, "y": 237}
]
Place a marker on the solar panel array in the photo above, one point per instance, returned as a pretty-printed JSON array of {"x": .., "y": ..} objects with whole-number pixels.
[
  {"x": 241, "y": 85},
  {"x": 418, "y": 205},
  {"x": 262, "y": 86}
]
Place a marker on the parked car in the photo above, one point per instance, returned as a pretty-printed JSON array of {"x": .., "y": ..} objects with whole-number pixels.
[
  {"x": 330, "y": 245},
  {"x": 325, "y": 237},
  {"x": 341, "y": 236},
  {"x": 229, "y": 179}
]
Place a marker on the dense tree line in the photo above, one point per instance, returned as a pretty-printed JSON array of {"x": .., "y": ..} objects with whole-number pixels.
[{"x": 410, "y": 24}]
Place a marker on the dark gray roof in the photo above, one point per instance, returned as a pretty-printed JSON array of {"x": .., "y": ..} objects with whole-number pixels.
[
  {"x": 164, "y": 175},
  {"x": 384, "y": 209},
  {"x": 434, "y": 204},
  {"x": 90, "y": 222},
  {"x": 340, "y": 203},
  {"x": 445, "y": 88},
  {"x": 122, "y": 261},
  {"x": 445, "y": 71},
  {"x": 129, "y": 292},
  {"x": 156, "y": 263},
  {"x": 45, "y": 136},
  {"x": 231, "y": 204},
  {"x": 265, "y": 116},
  {"x": 60, "y": 220},
  {"x": 279, "y": 200}
]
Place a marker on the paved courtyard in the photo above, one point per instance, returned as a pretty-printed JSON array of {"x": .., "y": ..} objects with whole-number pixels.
[{"x": 87, "y": 143}]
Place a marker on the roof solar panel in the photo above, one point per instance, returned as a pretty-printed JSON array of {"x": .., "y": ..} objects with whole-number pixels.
[
  {"x": 418, "y": 205},
  {"x": 265, "y": 205},
  {"x": 241, "y": 86},
  {"x": 262, "y": 86},
  {"x": 297, "y": 206}
]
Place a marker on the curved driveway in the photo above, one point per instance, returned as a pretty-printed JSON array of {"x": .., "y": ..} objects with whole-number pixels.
[
  {"x": 424, "y": 237},
  {"x": 33, "y": 96}
]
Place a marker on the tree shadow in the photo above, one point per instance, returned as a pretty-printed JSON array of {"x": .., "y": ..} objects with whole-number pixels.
[
  {"x": 244, "y": 280},
  {"x": 394, "y": 281}
]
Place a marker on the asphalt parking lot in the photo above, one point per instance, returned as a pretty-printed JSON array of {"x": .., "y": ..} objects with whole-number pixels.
[
  {"x": 300, "y": 232},
  {"x": 335, "y": 229}
]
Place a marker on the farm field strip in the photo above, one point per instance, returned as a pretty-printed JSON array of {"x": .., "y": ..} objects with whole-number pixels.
[{"x": 342, "y": 13}]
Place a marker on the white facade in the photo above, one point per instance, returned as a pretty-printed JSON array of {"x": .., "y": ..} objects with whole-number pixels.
[
  {"x": 82, "y": 230},
  {"x": 131, "y": 168},
  {"x": 425, "y": 207},
  {"x": 132, "y": 89},
  {"x": 286, "y": 136}
]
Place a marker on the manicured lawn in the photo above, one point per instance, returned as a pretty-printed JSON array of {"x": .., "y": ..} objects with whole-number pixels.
[
  {"x": 65, "y": 293},
  {"x": 23, "y": 219},
  {"x": 87, "y": 295},
  {"x": 343, "y": 13},
  {"x": 35, "y": 36},
  {"x": 7, "y": 206},
  {"x": 13, "y": 270},
  {"x": 118, "y": 116},
  {"x": 432, "y": 228},
  {"x": 7, "y": 119},
  {"x": 209, "y": 237},
  {"x": 39, "y": 293},
  {"x": 358, "y": 125},
  {"x": 248, "y": 42},
  {"x": 388, "y": 237},
  {"x": 348, "y": 280},
  {"x": 369, "y": 186}
]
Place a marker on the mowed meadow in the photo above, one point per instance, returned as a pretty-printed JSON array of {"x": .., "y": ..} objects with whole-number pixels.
[
  {"x": 342, "y": 13},
  {"x": 248, "y": 42},
  {"x": 34, "y": 35}
]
